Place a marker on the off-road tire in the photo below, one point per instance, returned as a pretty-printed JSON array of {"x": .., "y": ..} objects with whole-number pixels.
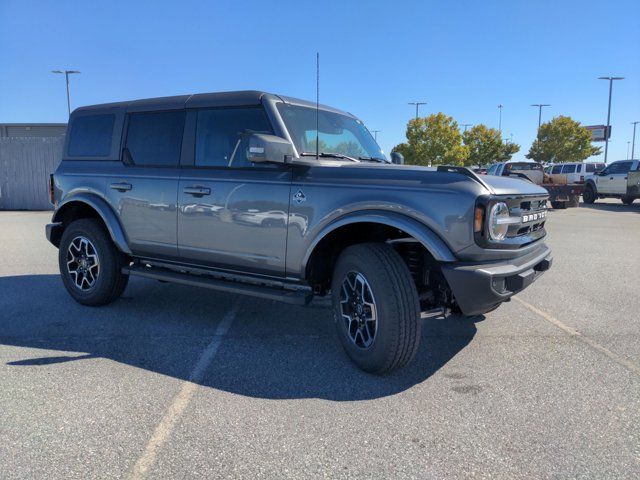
[
  {"x": 558, "y": 205},
  {"x": 589, "y": 195},
  {"x": 110, "y": 281},
  {"x": 397, "y": 304},
  {"x": 627, "y": 200}
]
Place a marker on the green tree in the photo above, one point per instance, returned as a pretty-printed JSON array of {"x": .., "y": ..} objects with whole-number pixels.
[
  {"x": 433, "y": 140},
  {"x": 562, "y": 140},
  {"x": 485, "y": 146}
]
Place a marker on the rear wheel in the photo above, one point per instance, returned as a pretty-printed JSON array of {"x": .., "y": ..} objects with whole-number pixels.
[
  {"x": 90, "y": 264},
  {"x": 376, "y": 307},
  {"x": 589, "y": 194},
  {"x": 627, "y": 200},
  {"x": 559, "y": 205}
]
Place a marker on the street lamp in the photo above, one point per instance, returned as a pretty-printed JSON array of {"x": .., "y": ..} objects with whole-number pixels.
[
  {"x": 606, "y": 133},
  {"x": 633, "y": 143},
  {"x": 375, "y": 134},
  {"x": 500, "y": 107},
  {"x": 465, "y": 125},
  {"x": 540, "y": 105},
  {"x": 66, "y": 76},
  {"x": 417, "y": 104},
  {"x": 628, "y": 143}
]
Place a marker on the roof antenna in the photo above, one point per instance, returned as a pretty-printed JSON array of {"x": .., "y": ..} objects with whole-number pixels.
[{"x": 317, "y": 104}]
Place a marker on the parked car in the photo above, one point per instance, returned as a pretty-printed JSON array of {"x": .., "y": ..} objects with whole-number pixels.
[
  {"x": 561, "y": 194},
  {"x": 617, "y": 180},
  {"x": 576, "y": 172},
  {"x": 528, "y": 170},
  {"x": 384, "y": 241}
]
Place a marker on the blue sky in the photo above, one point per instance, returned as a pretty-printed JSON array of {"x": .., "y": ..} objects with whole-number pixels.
[{"x": 462, "y": 57}]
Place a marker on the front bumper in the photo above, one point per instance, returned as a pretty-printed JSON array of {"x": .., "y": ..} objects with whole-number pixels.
[{"x": 479, "y": 288}]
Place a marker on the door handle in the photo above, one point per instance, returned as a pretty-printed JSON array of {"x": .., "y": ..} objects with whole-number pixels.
[
  {"x": 121, "y": 186},
  {"x": 197, "y": 191}
]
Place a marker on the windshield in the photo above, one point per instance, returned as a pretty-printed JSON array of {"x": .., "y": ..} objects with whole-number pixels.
[{"x": 338, "y": 134}]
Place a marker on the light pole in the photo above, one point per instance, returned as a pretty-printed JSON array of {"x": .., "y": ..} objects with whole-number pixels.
[
  {"x": 540, "y": 105},
  {"x": 66, "y": 76},
  {"x": 500, "y": 107},
  {"x": 417, "y": 104},
  {"x": 628, "y": 143},
  {"x": 465, "y": 125},
  {"x": 375, "y": 134},
  {"x": 606, "y": 132},
  {"x": 633, "y": 143}
]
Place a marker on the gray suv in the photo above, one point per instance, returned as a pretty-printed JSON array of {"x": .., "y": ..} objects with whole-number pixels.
[{"x": 269, "y": 196}]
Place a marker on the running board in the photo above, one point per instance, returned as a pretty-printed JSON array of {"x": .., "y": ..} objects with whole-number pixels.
[{"x": 295, "y": 297}]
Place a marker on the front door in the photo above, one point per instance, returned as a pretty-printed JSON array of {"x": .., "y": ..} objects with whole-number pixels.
[
  {"x": 233, "y": 214},
  {"x": 620, "y": 176},
  {"x": 144, "y": 189}
]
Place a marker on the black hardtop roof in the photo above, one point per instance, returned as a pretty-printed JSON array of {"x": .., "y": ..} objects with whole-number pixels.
[{"x": 215, "y": 99}]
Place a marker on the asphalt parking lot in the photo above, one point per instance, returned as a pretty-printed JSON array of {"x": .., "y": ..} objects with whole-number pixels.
[{"x": 172, "y": 382}]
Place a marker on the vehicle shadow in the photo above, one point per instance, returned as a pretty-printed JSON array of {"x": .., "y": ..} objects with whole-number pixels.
[
  {"x": 613, "y": 207},
  {"x": 272, "y": 350}
]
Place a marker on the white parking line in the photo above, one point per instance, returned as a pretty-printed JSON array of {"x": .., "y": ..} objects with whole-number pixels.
[
  {"x": 182, "y": 399},
  {"x": 579, "y": 336}
]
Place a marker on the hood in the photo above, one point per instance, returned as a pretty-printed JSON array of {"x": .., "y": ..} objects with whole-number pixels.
[{"x": 511, "y": 185}]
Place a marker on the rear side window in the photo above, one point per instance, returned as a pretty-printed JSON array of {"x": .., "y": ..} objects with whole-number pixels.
[
  {"x": 91, "y": 136},
  {"x": 579, "y": 168},
  {"x": 155, "y": 139},
  {"x": 222, "y": 135},
  {"x": 569, "y": 169}
]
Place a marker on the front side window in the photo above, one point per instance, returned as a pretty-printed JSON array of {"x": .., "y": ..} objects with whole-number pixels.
[
  {"x": 222, "y": 135},
  {"x": 91, "y": 136},
  {"x": 556, "y": 169},
  {"x": 155, "y": 138},
  {"x": 337, "y": 133},
  {"x": 591, "y": 167}
]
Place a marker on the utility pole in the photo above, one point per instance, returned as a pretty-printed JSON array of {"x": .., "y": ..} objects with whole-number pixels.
[
  {"x": 633, "y": 143},
  {"x": 606, "y": 133},
  {"x": 375, "y": 134},
  {"x": 66, "y": 76},
  {"x": 417, "y": 104},
  {"x": 465, "y": 125},
  {"x": 540, "y": 105},
  {"x": 500, "y": 107},
  {"x": 628, "y": 143}
]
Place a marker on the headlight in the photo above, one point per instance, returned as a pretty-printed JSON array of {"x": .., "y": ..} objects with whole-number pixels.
[{"x": 498, "y": 221}]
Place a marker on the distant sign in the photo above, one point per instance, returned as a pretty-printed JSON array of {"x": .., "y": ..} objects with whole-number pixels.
[{"x": 599, "y": 133}]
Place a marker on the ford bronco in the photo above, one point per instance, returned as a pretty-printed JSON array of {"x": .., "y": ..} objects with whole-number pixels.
[{"x": 270, "y": 196}]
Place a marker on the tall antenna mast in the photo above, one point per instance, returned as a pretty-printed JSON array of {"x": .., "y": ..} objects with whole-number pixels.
[{"x": 317, "y": 104}]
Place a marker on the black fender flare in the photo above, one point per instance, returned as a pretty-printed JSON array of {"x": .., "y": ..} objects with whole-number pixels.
[
  {"x": 105, "y": 212},
  {"x": 592, "y": 184},
  {"x": 422, "y": 233}
]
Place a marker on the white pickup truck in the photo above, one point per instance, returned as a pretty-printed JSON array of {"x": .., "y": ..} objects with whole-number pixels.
[{"x": 620, "y": 179}]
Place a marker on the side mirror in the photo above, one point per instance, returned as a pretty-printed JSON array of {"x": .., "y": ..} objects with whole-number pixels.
[
  {"x": 397, "y": 158},
  {"x": 269, "y": 148}
]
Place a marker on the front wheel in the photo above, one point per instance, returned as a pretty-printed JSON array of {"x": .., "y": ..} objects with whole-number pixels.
[
  {"x": 627, "y": 200},
  {"x": 90, "y": 264},
  {"x": 376, "y": 307},
  {"x": 589, "y": 195}
]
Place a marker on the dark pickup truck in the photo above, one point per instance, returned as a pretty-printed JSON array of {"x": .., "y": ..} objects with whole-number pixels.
[{"x": 265, "y": 195}]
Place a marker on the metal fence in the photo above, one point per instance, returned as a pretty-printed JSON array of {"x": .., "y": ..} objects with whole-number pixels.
[{"x": 25, "y": 165}]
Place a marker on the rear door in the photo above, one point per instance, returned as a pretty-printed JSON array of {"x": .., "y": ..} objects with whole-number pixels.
[
  {"x": 232, "y": 214},
  {"x": 570, "y": 170},
  {"x": 143, "y": 190}
]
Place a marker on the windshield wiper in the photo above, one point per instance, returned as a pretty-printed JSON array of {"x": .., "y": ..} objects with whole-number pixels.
[
  {"x": 330, "y": 155},
  {"x": 373, "y": 159}
]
